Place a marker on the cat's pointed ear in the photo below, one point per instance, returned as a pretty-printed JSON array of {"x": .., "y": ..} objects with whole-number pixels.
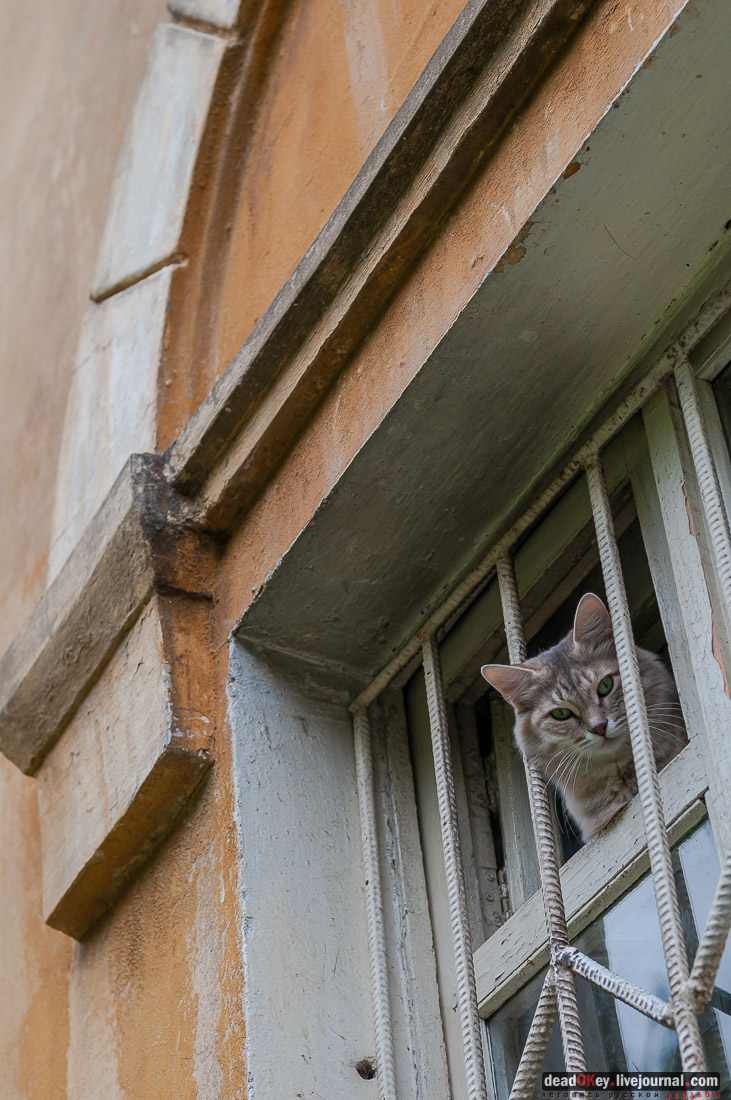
[
  {"x": 592, "y": 624},
  {"x": 512, "y": 681}
]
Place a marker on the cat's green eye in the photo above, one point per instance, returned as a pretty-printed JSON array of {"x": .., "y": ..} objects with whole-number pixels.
[
  {"x": 561, "y": 714},
  {"x": 605, "y": 686}
]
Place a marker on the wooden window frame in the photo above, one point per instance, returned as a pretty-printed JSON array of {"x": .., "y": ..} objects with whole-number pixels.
[{"x": 644, "y": 442}]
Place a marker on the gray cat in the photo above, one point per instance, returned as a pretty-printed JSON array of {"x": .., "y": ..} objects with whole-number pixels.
[{"x": 570, "y": 719}]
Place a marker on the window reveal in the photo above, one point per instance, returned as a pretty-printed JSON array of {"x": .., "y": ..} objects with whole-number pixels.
[{"x": 689, "y": 992}]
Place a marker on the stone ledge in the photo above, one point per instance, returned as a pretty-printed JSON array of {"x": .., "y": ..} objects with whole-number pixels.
[
  {"x": 107, "y": 694},
  {"x": 129, "y": 760},
  {"x": 139, "y": 540},
  {"x": 489, "y": 63}
]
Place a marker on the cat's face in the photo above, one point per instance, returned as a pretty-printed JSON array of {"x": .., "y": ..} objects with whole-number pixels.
[{"x": 568, "y": 701}]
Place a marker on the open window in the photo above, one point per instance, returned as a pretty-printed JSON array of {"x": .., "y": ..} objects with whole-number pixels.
[{"x": 632, "y": 519}]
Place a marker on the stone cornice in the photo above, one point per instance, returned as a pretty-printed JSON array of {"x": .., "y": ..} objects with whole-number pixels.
[
  {"x": 472, "y": 89},
  {"x": 146, "y": 534}
]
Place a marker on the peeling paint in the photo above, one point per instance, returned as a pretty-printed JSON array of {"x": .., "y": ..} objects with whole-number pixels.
[
  {"x": 691, "y": 524},
  {"x": 715, "y": 641},
  {"x": 517, "y": 250},
  {"x": 716, "y": 650}
]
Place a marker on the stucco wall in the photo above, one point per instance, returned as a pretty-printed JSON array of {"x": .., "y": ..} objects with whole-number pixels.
[
  {"x": 150, "y": 1003},
  {"x": 316, "y": 89},
  {"x": 68, "y": 78},
  {"x": 339, "y": 74}
]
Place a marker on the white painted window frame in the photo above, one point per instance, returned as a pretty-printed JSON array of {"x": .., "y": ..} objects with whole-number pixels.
[{"x": 679, "y": 470}]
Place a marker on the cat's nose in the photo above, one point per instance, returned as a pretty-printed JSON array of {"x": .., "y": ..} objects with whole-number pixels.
[{"x": 600, "y": 728}]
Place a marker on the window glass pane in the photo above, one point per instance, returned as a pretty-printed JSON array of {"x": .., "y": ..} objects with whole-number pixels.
[
  {"x": 722, "y": 391},
  {"x": 701, "y": 887},
  {"x": 627, "y": 940}
]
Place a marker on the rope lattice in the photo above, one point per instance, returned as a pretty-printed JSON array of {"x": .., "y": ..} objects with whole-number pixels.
[
  {"x": 464, "y": 967},
  {"x": 568, "y": 1009},
  {"x": 689, "y": 992}
]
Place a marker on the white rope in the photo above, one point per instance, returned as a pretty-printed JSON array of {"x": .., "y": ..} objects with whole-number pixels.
[
  {"x": 691, "y": 1051},
  {"x": 536, "y": 1042},
  {"x": 374, "y": 909},
  {"x": 713, "y": 941},
  {"x": 466, "y": 993},
  {"x": 568, "y": 1011},
  {"x": 705, "y": 470}
]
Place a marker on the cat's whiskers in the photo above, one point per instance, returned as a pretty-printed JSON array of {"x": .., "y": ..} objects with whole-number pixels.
[
  {"x": 574, "y": 774},
  {"x": 547, "y": 765},
  {"x": 669, "y": 736},
  {"x": 561, "y": 752},
  {"x": 665, "y": 728},
  {"x": 576, "y": 764},
  {"x": 561, "y": 769},
  {"x": 565, "y": 765},
  {"x": 579, "y": 763},
  {"x": 672, "y": 727}
]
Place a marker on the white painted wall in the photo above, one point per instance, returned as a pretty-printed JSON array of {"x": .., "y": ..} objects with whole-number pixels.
[
  {"x": 307, "y": 986},
  {"x": 112, "y": 406}
]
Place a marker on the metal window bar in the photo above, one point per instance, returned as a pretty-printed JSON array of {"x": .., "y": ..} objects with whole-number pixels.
[
  {"x": 465, "y": 972},
  {"x": 385, "y": 1071},
  {"x": 689, "y": 1040},
  {"x": 689, "y": 992},
  {"x": 713, "y": 941},
  {"x": 536, "y": 1043},
  {"x": 568, "y": 1009},
  {"x": 706, "y": 474},
  {"x": 621, "y": 988}
]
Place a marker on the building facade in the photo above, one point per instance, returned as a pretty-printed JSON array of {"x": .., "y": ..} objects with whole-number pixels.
[{"x": 345, "y": 345}]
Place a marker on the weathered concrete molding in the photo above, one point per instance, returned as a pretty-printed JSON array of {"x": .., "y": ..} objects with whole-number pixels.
[
  {"x": 152, "y": 182},
  {"x": 476, "y": 82},
  {"x": 138, "y": 540},
  {"x": 113, "y": 402},
  {"x": 111, "y": 410},
  {"x": 105, "y": 660},
  {"x": 112, "y": 787}
]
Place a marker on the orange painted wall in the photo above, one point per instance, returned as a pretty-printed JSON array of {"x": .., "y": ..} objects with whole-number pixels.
[
  {"x": 609, "y": 46},
  {"x": 338, "y": 74},
  {"x": 150, "y": 1005},
  {"x": 68, "y": 77},
  {"x": 155, "y": 990}
]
